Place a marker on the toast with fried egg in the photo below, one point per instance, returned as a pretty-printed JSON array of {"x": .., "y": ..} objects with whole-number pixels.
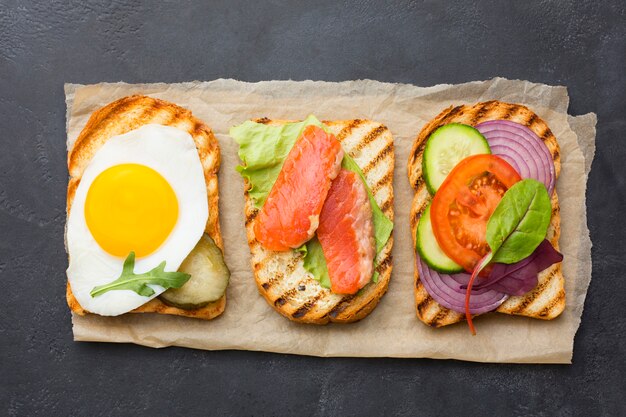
[{"x": 130, "y": 113}]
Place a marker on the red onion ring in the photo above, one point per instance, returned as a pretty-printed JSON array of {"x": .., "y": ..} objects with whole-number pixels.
[
  {"x": 446, "y": 290},
  {"x": 522, "y": 148}
]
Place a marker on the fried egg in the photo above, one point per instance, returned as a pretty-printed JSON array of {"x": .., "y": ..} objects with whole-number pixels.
[{"x": 143, "y": 191}]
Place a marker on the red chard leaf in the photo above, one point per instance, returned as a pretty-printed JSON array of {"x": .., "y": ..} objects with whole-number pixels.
[{"x": 520, "y": 277}]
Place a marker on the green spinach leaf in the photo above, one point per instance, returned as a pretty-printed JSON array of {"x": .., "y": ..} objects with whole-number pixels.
[
  {"x": 520, "y": 222},
  {"x": 138, "y": 283},
  {"x": 516, "y": 227}
]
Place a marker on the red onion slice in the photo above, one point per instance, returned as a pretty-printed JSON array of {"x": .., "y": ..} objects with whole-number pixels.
[
  {"x": 446, "y": 290},
  {"x": 522, "y": 148}
]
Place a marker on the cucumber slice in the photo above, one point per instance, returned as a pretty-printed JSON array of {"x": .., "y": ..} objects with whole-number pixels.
[
  {"x": 446, "y": 147},
  {"x": 429, "y": 250},
  {"x": 209, "y": 277}
]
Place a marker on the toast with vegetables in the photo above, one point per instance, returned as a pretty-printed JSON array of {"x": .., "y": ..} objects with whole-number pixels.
[
  {"x": 509, "y": 160},
  {"x": 203, "y": 295},
  {"x": 295, "y": 268}
]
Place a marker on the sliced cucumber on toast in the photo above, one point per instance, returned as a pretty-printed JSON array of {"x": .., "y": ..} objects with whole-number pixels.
[
  {"x": 209, "y": 277},
  {"x": 429, "y": 250},
  {"x": 446, "y": 147}
]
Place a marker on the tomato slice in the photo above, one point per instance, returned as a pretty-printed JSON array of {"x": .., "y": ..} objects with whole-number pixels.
[{"x": 463, "y": 204}]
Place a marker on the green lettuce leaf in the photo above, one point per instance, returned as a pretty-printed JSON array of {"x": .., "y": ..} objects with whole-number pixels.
[
  {"x": 262, "y": 150},
  {"x": 314, "y": 261}
]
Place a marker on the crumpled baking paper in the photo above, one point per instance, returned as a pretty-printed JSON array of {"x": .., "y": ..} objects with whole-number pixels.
[{"x": 392, "y": 329}]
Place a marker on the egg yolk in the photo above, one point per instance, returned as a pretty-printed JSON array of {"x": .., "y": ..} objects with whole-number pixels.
[{"x": 130, "y": 207}]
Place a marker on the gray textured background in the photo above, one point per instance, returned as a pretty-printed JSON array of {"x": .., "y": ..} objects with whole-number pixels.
[{"x": 579, "y": 44}]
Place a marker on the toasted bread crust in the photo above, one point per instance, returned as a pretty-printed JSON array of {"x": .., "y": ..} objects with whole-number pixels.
[
  {"x": 547, "y": 300},
  {"x": 280, "y": 276},
  {"x": 130, "y": 113}
]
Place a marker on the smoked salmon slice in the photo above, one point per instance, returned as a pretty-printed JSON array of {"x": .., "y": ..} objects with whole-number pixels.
[
  {"x": 290, "y": 215},
  {"x": 346, "y": 233}
]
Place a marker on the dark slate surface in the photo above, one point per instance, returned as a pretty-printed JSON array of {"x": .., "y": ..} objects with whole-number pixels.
[{"x": 580, "y": 44}]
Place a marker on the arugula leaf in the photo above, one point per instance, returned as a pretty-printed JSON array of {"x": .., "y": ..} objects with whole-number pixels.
[
  {"x": 520, "y": 222},
  {"x": 138, "y": 283}
]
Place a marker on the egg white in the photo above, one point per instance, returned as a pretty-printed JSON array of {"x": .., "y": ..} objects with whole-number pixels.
[{"x": 172, "y": 153}]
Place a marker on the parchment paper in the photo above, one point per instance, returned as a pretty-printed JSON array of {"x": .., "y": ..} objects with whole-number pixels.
[{"x": 392, "y": 330}]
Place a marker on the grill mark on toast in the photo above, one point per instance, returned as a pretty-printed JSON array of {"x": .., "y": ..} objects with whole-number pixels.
[
  {"x": 340, "y": 306},
  {"x": 268, "y": 284},
  {"x": 348, "y": 129},
  {"x": 117, "y": 107},
  {"x": 535, "y": 293},
  {"x": 531, "y": 121},
  {"x": 382, "y": 182},
  {"x": 508, "y": 113},
  {"x": 418, "y": 182},
  {"x": 480, "y": 113},
  {"x": 419, "y": 150},
  {"x": 415, "y": 216},
  {"x": 453, "y": 112},
  {"x": 251, "y": 216},
  {"x": 545, "y": 135},
  {"x": 198, "y": 129},
  {"x": 384, "y": 264},
  {"x": 555, "y": 210},
  {"x": 175, "y": 116},
  {"x": 422, "y": 305},
  {"x": 370, "y": 137},
  {"x": 285, "y": 297},
  {"x": 366, "y": 305},
  {"x": 306, "y": 307},
  {"x": 439, "y": 317},
  {"x": 386, "y": 205},
  {"x": 291, "y": 266},
  {"x": 263, "y": 120},
  {"x": 553, "y": 303},
  {"x": 151, "y": 110},
  {"x": 381, "y": 155}
]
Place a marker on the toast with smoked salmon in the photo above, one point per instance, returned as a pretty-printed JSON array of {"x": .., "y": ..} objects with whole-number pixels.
[
  {"x": 130, "y": 113},
  {"x": 281, "y": 277},
  {"x": 547, "y": 300}
]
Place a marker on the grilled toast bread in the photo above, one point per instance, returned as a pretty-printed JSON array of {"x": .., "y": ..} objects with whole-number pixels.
[
  {"x": 130, "y": 113},
  {"x": 547, "y": 300},
  {"x": 281, "y": 277}
]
